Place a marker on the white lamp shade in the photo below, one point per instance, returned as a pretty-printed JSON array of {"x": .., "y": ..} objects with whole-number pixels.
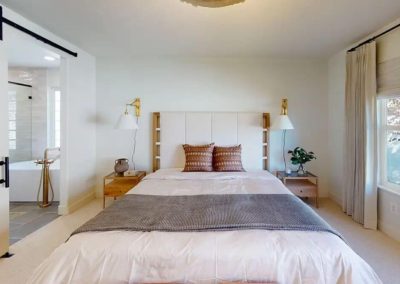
[
  {"x": 126, "y": 121},
  {"x": 282, "y": 122}
]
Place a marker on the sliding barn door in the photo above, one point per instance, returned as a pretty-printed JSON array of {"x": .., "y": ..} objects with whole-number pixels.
[{"x": 4, "y": 194}]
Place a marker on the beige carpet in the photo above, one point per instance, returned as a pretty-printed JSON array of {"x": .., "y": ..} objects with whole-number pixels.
[
  {"x": 381, "y": 252},
  {"x": 32, "y": 250}
]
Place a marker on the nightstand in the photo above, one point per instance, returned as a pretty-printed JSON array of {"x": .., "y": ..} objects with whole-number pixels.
[
  {"x": 301, "y": 185},
  {"x": 115, "y": 186}
]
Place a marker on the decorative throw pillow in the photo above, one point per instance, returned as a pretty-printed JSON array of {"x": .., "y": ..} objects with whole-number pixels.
[
  {"x": 199, "y": 158},
  {"x": 228, "y": 159}
]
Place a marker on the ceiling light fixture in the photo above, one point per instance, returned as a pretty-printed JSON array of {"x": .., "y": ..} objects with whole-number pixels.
[
  {"x": 213, "y": 3},
  {"x": 49, "y": 58}
]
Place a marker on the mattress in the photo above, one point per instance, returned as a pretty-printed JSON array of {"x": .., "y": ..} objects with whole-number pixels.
[{"x": 205, "y": 257}]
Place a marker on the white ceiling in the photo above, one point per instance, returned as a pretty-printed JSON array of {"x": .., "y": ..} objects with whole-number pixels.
[
  {"x": 24, "y": 51},
  {"x": 286, "y": 28}
]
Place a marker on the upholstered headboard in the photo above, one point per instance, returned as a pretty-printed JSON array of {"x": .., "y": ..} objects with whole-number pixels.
[{"x": 172, "y": 129}]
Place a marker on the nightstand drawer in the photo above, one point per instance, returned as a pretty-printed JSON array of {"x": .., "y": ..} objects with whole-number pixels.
[
  {"x": 119, "y": 187},
  {"x": 115, "y": 186},
  {"x": 302, "y": 188}
]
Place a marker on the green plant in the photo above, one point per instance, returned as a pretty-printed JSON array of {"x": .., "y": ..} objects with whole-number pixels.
[{"x": 301, "y": 156}]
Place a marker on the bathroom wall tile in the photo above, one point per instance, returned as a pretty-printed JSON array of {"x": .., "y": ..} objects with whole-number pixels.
[{"x": 32, "y": 132}]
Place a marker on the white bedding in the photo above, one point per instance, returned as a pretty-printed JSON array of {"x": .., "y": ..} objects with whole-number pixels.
[{"x": 205, "y": 257}]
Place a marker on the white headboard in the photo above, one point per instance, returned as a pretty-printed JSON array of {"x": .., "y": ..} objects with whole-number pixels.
[{"x": 172, "y": 129}]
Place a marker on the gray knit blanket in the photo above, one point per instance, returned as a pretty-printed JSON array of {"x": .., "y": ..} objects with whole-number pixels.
[{"x": 199, "y": 213}]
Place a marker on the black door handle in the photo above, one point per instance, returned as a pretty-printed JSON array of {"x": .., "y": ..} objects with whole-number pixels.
[{"x": 6, "y": 164}]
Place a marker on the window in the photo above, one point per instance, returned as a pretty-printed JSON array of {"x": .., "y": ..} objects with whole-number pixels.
[
  {"x": 54, "y": 111},
  {"x": 57, "y": 118},
  {"x": 390, "y": 142}
]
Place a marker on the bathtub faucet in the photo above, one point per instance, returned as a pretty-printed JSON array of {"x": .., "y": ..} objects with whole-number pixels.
[
  {"x": 47, "y": 150},
  {"x": 45, "y": 180}
]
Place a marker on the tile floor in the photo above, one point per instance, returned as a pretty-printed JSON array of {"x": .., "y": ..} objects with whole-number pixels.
[{"x": 27, "y": 217}]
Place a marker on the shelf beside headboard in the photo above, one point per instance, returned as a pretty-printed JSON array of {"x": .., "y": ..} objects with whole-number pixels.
[
  {"x": 266, "y": 126},
  {"x": 156, "y": 141},
  {"x": 247, "y": 125}
]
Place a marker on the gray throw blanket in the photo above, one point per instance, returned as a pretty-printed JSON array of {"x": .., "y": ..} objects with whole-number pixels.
[{"x": 200, "y": 213}]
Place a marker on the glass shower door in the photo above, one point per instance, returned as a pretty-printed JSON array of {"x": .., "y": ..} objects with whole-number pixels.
[{"x": 19, "y": 122}]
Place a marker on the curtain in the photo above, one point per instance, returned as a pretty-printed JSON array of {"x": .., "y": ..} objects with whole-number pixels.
[{"x": 360, "y": 191}]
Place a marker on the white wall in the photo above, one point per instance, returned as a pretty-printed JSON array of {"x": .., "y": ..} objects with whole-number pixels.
[
  {"x": 211, "y": 84},
  {"x": 78, "y": 136},
  {"x": 387, "y": 47},
  {"x": 336, "y": 125}
]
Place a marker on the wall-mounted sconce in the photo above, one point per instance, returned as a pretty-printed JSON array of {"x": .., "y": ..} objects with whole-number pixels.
[
  {"x": 283, "y": 122},
  {"x": 136, "y": 105},
  {"x": 129, "y": 121}
]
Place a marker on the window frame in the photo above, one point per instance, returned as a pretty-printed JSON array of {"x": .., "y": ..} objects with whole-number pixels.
[{"x": 383, "y": 128}]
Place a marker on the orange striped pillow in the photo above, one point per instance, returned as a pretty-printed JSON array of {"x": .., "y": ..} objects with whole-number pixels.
[
  {"x": 228, "y": 159},
  {"x": 199, "y": 158}
]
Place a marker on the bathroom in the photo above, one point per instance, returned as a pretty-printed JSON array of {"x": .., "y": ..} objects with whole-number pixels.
[{"x": 34, "y": 105}]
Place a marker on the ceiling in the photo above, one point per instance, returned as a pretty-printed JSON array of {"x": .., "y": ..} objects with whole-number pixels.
[
  {"x": 281, "y": 28},
  {"x": 24, "y": 51}
]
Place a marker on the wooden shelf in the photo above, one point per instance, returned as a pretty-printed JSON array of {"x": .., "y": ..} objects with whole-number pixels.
[
  {"x": 156, "y": 141},
  {"x": 265, "y": 141}
]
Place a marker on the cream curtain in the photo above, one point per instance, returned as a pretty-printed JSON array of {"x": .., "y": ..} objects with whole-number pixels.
[{"x": 360, "y": 191}]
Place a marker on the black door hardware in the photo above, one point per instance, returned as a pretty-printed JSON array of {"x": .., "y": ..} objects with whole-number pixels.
[{"x": 6, "y": 164}]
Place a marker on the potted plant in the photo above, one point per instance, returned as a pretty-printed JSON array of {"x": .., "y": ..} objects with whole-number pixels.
[{"x": 300, "y": 157}]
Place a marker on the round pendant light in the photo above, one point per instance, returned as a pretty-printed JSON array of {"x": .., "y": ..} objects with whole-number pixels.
[{"x": 213, "y": 3}]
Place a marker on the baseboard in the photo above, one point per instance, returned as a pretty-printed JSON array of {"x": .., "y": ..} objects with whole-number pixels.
[
  {"x": 389, "y": 230},
  {"x": 335, "y": 198},
  {"x": 67, "y": 209}
]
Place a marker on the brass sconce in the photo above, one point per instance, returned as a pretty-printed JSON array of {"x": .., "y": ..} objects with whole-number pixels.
[
  {"x": 135, "y": 104},
  {"x": 284, "y": 108}
]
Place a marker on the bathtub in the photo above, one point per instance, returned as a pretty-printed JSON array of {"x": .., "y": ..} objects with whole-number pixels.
[{"x": 25, "y": 178}]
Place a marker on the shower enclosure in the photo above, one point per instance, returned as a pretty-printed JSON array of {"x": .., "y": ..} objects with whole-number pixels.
[
  {"x": 20, "y": 122},
  {"x": 28, "y": 120}
]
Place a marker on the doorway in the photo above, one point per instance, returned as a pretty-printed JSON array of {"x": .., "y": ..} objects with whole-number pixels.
[{"x": 34, "y": 129}]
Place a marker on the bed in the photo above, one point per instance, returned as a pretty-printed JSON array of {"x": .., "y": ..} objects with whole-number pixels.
[
  {"x": 205, "y": 257},
  {"x": 211, "y": 256}
]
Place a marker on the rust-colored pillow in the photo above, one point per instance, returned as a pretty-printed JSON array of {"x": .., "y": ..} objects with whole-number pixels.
[
  {"x": 228, "y": 159},
  {"x": 199, "y": 158}
]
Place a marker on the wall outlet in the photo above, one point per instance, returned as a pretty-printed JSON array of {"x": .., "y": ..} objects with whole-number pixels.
[{"x": 394, "y": 208}]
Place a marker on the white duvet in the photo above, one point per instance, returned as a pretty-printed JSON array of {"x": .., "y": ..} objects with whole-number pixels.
[{"x": 205, "y": 257}]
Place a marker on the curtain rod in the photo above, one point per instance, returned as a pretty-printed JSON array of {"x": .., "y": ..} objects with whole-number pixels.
[
  {"x": 374, "y": 37},
  {"x": 31, "y": 33}
]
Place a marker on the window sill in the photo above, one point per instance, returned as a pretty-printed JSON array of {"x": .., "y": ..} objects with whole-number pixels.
[{"x": 390, "y": 189}]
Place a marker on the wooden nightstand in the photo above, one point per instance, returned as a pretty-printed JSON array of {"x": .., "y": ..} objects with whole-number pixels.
[
  {"x": 115, "y": 186},
  {"x": 301, "y": 185}
]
